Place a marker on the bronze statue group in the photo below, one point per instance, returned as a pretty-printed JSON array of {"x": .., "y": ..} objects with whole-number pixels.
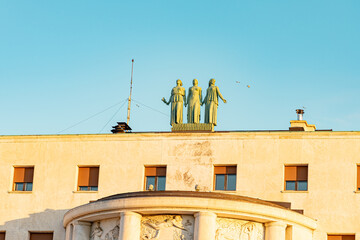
[{"x": 193, "y": 101}]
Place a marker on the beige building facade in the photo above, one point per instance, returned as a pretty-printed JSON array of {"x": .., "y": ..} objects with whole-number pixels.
[{"x": 218, "y": 185}]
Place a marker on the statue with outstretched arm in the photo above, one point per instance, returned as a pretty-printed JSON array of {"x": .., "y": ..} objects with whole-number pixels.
[
  {"x": 177, "y": 100},
  {"x": 211, "y": 101}
]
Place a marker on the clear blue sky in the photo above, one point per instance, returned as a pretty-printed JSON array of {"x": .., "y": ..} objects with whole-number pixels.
[{"x": 61, "y": 62}]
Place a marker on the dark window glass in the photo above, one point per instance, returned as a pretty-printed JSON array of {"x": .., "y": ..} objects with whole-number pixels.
[
  {"x": 290, "y": 185},
  {"x": 150, "y": 180},
  {"x": 28, "y": 186},
  {"x": 231, "y": 182},
  {"x": 302, "y": 186},
  {"x": 161, "y": 181},
  {"x": 87, "y": 188},
  {"x": 19, "y": 186},
  {"x": 220, "y": 182}
]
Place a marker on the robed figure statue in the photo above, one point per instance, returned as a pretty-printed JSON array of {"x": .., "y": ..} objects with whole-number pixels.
[
  {"x": 194, "y": 101},
  {"x": 177, "y": 100},
  {"x": 211, "y": 101}
]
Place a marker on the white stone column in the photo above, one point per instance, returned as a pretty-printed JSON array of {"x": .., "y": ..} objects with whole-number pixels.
[
  {"x": 129, "y": 226},
  {"x": 81, "y": 230},
  {"x": 205, "y": 226},
  {"x": 69, "y": 231},
  {"x": 275, "y": 231}
]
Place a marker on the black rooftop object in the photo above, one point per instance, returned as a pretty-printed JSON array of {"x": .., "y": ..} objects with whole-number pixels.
[{"x": 122, "y": 127}]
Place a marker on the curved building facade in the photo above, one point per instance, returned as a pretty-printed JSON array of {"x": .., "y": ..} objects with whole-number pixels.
[{"x": 184, "y": 215}]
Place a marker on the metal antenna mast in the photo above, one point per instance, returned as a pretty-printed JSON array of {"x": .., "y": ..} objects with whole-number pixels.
[{"x": 129, "y": 102}]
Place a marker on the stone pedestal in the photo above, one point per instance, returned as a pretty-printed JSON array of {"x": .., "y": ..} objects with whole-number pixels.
[
  {"x": 275, "y": 231},
  {"x": 205, "y": 226},
  {"x": 130, "y": 226},
  {"x": 193, "y": 127},
  {"x": 81, "y": 230}
]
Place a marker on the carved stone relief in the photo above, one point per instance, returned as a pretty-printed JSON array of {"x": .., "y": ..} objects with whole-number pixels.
[
  {"x": 107, "y": 229},
  {"x": 167, "y": 227},
  {"x": 96, "y": 231},
  {"x": 234, "y": 229}
]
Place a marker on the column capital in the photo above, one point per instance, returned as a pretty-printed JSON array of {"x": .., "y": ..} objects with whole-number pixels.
[
  {"x": 81, "y": 230},
  {"x": 129, "y": 213},
  {"x": 205, "y": 225},
  {"x": 276, "y": 224},
  {"x": 130, "y": 225},
  {"x": 205, "y": 214},
  {"x": 275, "y": 230},
  {"x": 81, "y": 223}
]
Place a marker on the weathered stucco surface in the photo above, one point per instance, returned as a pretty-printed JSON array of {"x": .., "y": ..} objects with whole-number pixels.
[{"x": 190, "y": 158}]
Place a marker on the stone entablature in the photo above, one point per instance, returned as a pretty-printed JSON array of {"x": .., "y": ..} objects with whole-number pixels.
[{"x": 182, "y": 215}]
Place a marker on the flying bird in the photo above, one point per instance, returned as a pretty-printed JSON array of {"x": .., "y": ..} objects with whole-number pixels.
[{"x": 248, "y": 86}]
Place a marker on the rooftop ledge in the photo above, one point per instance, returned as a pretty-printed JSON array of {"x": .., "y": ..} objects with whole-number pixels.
[{"x": 166, "y": 132}]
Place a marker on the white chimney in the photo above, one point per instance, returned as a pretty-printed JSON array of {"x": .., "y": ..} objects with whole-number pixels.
[{"x": 300, "y": 113}]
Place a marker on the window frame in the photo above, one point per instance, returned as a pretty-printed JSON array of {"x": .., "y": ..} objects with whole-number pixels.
[
  {"x": 40, "y": 232},
  {"x": 229, "y": 170},
  {"x": 296, "y": 179},
  {"x": 24, "y": 182},
  {"x": 341, "y": 236},
  {"x": 89, "y": 188},
  {"x": 157, "y": 174}
]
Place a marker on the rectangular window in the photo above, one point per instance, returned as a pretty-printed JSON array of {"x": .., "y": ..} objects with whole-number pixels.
[
  {"x": 88, "y": 178},
  {"x": 23, "y": 178},
  {"x": 2, "y": 235},
  {"x": 296, "y": 178},
  {"x": 155, "y": 176},
  {"x": 341, "y": 237},
  {"x": 225, "y": 178},
  {"x": 41, "y": 236}
]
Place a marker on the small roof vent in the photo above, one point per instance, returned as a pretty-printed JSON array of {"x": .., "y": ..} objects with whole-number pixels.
[{"x": 300, "y": 113}]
